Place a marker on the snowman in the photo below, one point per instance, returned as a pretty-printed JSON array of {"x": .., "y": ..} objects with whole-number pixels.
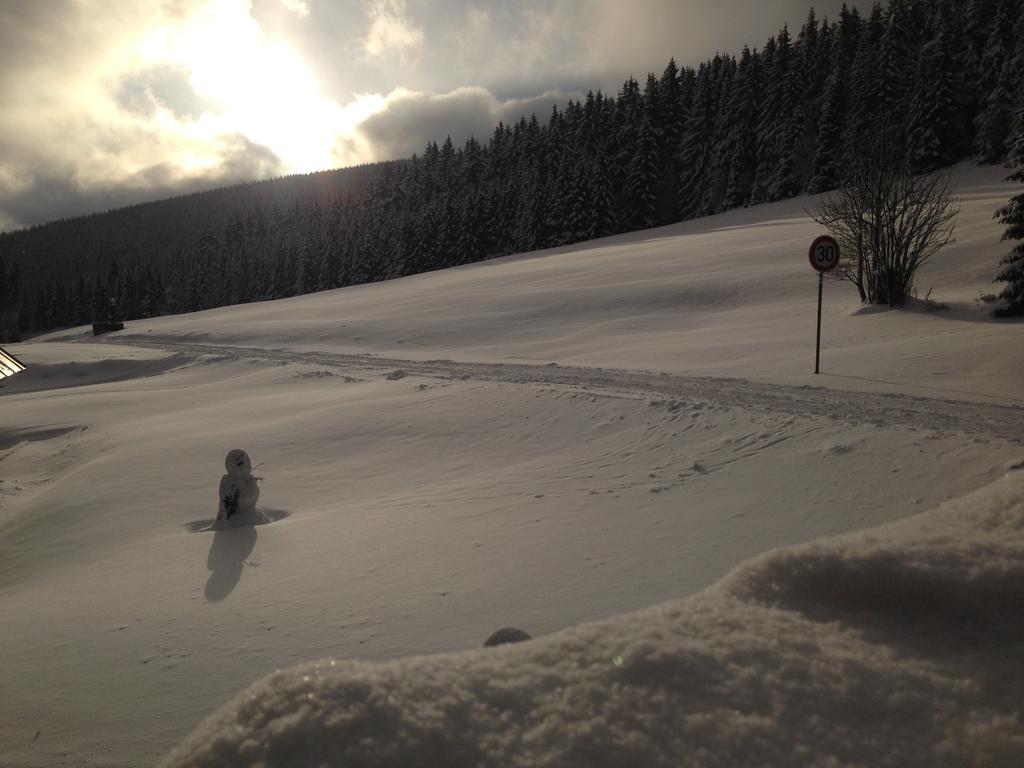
[{"x": 239, "y": 490}]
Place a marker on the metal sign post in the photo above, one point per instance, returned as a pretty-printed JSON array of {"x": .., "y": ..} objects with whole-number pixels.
[{"x": 824, "y": 257}]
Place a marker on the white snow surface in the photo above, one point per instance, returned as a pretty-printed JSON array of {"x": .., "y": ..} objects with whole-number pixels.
[
  {"x": 618, "y": 446},
  {"x": 901, "y": 647}
]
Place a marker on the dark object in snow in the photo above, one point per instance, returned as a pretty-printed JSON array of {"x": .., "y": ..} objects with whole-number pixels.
[
  {"x": 98, "y": 328},
  {"x": 106, "y": 320},
  {"x": 506, "y": 635},
  {"x": 239, "y": 490}
]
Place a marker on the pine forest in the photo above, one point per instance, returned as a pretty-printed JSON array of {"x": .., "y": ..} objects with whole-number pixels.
[{"x": 737, "y": 130}]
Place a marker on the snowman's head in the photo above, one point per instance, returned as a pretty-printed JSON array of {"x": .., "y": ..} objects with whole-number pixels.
[{"x": 237, "y": 462}]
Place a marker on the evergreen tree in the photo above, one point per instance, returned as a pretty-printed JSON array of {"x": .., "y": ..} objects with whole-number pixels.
[
  {"x": 896, "y": 63},
  {"x": 934, "y": 130},
  {"x": 1013, "y": 217},
  {"x": 308, "y": 273},
  {"x": 979, "y": 16},
  {"x": 130, "y": 299},
  {"x": 716, "y": 176},
  {"x": 627, "y": 116},
  {"x": 694, "y": 156},
  {"x": 448, "y": 227},
  {"x": 579, "y": 208},
  {"x": 424, "y": 255},
  {"x": 53, "y": 314},
  {"x": 673, "y": 109},
  {"x": 834, "y": 115},
  {"x": 112, "y": 311},
  {"x": 865, "y": 86},
  {"x": 603, "y": 220},
  {"x": 828, "y": 155},
  {"x": 83, "y": 304},
  {"x": 994, "y": 122},
  {"x": 813, "y": 62},
  {"x": 739, "y": 145},
  {"x": 642, "y": 178},
  {"x": 780, "y": 126},
  {"x": 560, "y": 204},
  {"x": 999, "y": 79},
  {"x": 43, "y": 308},
  {"x": 471, "y": 231},
  {"x": 100, "y": 300}
]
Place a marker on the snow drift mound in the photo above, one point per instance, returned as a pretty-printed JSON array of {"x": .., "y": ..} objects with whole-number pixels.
[
  {"x": 900, "y": 646},
  {"x": 57, "y": 367}
]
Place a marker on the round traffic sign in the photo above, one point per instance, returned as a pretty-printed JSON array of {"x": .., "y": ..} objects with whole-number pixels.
[{"x": 824, "y": 253}]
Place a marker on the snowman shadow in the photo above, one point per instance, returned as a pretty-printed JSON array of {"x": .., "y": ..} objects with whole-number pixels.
[
  {"x": 228, "y": 553},
  {"x": 261, "y": 517}
]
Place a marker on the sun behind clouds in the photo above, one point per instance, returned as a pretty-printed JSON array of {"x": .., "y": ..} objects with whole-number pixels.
[{"x": 253, "y": 85}]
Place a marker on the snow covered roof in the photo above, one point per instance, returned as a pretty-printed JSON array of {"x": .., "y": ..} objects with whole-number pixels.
[{"x": 9, "y": 364}]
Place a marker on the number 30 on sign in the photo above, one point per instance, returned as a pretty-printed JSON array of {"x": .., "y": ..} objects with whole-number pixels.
[{"x": 824, "y": 253}]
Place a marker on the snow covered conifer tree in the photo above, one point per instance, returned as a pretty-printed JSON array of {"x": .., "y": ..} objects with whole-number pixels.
[
  {"x": 934, "y": 132},
  {"x": 653, "y": 108},
  {"x": 999, "y": 79},
  {"x": 864, "y": 86},
  {"x": 1013, "y": 217},
  {"x": 99, "y": 300},
  {"x": 672, "y": 107},
  {"x": 978, "y": 17},
  {"x": 628, "y": 114},
  {"x": 448, "y": 227},
  {"x": 716, "y": 178},
  {"x": 642, "y": 178},
  {"x": 84, "y": 298},
  {"x": 740, "y": 145},
  {"x": 896, "y": 66},
  {"x": 5, "y": 284},
  {"x": 560, "y": 204},
  {"x": 828, "y": 154},
  {"x": 694, "y": 149},
  {"x": 447, "y": 161},
  {"x": 602, "y": 202},
  {"x": 673, "y": 115},
  {"x": 470, "y": 235},
  {"x": 781, "y": 121},
  {"x": 423, "y": 257},
  {"x": 579, "y": 205},
  {"x": 813, "y": 64},
  {"x": 528, "y": 232}
]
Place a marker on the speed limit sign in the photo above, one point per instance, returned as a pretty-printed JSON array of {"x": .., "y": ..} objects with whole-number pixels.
[{"x": 824, "y": 254}]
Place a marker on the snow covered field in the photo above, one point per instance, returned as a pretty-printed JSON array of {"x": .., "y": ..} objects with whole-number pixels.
[{"x": 539, "y": 441}]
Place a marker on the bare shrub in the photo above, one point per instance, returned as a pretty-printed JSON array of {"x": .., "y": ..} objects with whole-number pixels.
[{"x": 888, "y": 221}]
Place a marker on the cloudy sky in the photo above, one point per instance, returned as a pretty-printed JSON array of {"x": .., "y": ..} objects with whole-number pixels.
[{"x": 108, "y": 102}]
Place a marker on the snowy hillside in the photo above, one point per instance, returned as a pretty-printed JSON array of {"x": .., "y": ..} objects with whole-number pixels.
[{"x": 538, "y": 441}]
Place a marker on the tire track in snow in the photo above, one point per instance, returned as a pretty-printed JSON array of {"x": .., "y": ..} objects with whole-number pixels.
[{"x": 880, "y": 409}]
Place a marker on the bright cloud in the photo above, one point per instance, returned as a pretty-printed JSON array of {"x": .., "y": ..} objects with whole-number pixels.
[
  {"x": 299, "y": 7},
  {"x": 390, "y": 31},
  {"x": 401, "y": 123},
  {"x": 163, "y": 98},
  {"x": 258, "y": 85}
]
